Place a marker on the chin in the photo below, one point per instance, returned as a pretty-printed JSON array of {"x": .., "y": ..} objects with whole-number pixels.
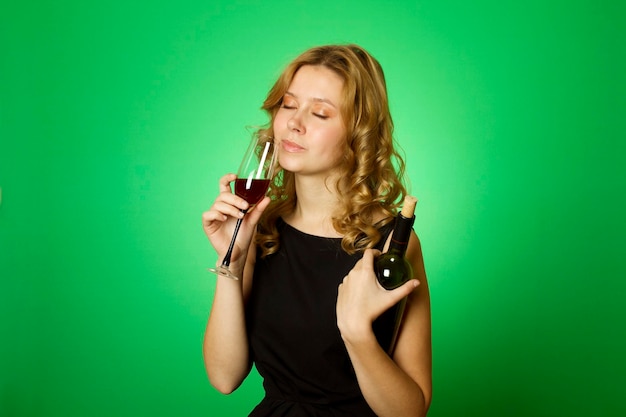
[{"x": 288, "y": 164}]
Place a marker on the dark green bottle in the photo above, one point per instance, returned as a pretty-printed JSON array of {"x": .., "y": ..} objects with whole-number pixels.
[{"x": 392, "y": 270}]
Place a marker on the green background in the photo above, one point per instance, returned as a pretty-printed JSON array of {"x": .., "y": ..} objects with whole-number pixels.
[{"x": 117, "y": 119}]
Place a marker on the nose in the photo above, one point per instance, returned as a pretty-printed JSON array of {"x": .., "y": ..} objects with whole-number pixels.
[{"x": 295, "y": 124}]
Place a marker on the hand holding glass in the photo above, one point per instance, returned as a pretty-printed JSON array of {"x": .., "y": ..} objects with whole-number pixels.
[{"x": 253, "y": 179}]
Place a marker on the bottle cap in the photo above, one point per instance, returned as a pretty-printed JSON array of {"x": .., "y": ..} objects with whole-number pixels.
[{"x": 408, "y": 209}]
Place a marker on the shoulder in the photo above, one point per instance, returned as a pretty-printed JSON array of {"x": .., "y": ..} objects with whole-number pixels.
[{"x": 415, "y": 246}]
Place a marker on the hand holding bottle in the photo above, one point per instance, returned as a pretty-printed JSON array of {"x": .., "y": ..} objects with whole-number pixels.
[
  {"x": 393, "y": 270},
  {"x": 361, "y": 299}
]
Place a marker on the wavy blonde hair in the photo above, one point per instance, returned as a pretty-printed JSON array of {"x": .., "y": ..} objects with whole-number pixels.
[{"x": 372, "y": 169}]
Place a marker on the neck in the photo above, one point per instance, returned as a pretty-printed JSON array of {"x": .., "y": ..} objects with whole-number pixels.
[{"x": 316, "y": 203}]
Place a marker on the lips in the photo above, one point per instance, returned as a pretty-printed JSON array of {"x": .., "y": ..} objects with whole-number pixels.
[{"x": 290, "y": 146}]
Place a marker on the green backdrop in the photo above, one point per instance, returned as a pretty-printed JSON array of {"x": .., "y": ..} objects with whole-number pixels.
[{"x": 117, "y": 119}]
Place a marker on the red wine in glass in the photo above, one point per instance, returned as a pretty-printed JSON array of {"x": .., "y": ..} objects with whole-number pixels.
[
  {"x": 253, "y": 179},
  {"x": 251, "y": 190}
]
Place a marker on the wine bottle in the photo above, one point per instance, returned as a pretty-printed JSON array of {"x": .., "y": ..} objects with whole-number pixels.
[{"x": 392, "y": 270}]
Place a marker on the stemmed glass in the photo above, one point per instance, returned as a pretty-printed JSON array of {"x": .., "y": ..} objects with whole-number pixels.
[{"x": 253, "y": 179}]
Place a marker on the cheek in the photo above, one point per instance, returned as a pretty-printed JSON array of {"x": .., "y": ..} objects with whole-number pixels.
[
  {"x": 280, "y": 121},
  {"x": 336, "y": 137},
  {"x": 335, "y": 142}
]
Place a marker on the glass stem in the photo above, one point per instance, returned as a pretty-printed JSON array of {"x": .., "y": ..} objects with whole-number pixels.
[{"x": 229, "y": 252}]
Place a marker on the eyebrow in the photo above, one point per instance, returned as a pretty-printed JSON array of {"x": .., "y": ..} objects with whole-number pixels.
[{"x": 316, "y": 99}]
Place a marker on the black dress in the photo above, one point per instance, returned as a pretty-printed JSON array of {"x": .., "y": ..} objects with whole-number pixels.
[{"x": 292, "y": 328}]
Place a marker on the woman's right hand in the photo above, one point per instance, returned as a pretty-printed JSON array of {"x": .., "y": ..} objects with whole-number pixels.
[{"x": 219, "y": 222}]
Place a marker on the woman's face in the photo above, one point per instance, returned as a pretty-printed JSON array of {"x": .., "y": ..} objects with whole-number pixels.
[{"x": 309, "y": 128}]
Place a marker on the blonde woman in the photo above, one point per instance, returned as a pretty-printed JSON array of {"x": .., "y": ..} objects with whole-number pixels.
[{"x": 303, "y": 311}]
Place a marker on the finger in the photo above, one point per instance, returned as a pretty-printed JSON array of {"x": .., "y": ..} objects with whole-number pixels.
[
  {"x": 368, "y": 257},
  {"x": 255, "y": 214},
  {"x": 225, "y": 182},
  {"x": 403, "y": 290},
  {"x": 227, "y": 209},
  {"x": 367, "y": 260},
  {"x": 232, "y": 199},
  {"x": 210, "y": 216}
]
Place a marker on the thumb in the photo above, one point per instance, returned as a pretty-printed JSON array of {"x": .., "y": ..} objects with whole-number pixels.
[
  {"x": 404, "y": 290},
  {"x": 254, "y": 214}
]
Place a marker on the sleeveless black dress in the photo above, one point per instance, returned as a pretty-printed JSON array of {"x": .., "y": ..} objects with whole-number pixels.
[{"x": 292, "y": 329}]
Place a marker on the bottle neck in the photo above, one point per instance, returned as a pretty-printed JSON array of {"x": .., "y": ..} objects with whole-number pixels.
[{"x": 401, "y": 234}]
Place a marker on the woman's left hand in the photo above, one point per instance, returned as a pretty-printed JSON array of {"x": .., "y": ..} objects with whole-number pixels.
[{"x": 361, "y": 299}]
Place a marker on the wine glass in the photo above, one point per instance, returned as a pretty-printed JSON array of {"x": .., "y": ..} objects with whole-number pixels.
[{"x": 253, "y": 179}]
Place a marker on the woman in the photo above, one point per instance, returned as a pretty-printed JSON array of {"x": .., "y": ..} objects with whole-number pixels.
[{"x": 304, "y": 309}]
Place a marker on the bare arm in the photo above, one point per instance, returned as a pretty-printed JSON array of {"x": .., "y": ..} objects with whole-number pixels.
[
  {"x": 225, "y": 346},
  {"x": 396, "y": 387}
]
